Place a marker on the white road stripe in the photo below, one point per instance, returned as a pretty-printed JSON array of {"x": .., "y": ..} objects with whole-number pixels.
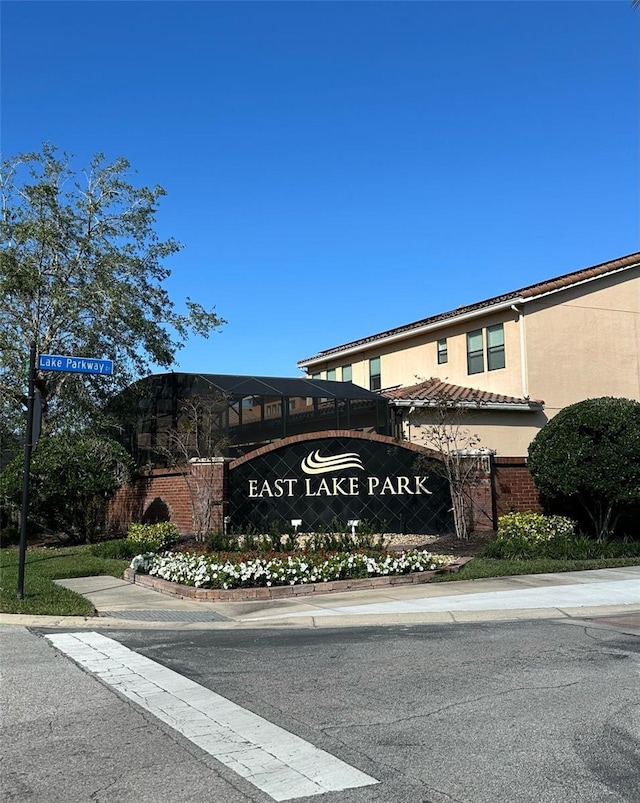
[{"x": 277, "y": 762}]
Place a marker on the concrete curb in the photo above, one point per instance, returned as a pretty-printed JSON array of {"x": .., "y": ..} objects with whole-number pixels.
[{"x": 588, "y": 617}]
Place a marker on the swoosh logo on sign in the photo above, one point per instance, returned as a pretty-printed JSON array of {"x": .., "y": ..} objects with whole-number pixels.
[{"x": 314, "y": 463}]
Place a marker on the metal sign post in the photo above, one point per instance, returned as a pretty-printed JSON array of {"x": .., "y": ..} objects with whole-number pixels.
[
  {"x": 46, "y": 362},
  {"x": 28, "y": 446}
]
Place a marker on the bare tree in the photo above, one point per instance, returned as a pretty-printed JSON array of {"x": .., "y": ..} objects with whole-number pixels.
[
  {"x": 192, "y": 446},
  {"x": 443, "y": 429}
]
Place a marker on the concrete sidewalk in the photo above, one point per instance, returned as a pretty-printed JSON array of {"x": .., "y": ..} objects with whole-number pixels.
[{"x": 597, "y": 593}]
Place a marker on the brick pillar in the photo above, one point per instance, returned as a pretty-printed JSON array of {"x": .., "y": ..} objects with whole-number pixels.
[
  {"x": 479, "y": 492},
  {"x": 210, "y": 483}
]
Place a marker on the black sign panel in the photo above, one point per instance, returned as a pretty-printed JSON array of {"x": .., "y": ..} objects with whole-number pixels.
[{"x": 340, "y": 479}]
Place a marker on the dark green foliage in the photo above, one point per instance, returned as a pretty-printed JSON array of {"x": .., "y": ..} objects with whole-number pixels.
[
  {"x": 9, "y": 536},
  {"x": 272, "y": 542},
  {"x": 72, "y": 478},
  {"x": 588, "y": 456},
  {"x": 562, "y": 547},
  {"x": 119, "y": 549},
  {"x": 218, "y": 541},
  {"x": 339, "y": 538}
]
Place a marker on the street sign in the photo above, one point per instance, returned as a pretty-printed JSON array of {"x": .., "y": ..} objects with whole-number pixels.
[
  {"x": 45, "y": 362},
  {"x": 75, "y": 365}
]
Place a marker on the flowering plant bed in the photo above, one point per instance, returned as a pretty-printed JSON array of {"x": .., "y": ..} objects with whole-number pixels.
[{"x": 206, "y": 572}]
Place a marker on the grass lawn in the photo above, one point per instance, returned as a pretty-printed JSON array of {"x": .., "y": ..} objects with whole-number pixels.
[{"x": 43, "y": 566}]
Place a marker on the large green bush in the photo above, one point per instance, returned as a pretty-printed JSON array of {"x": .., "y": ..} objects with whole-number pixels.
[
  {"x": 73, "y": 476},
  {"x": 588, "y": 457}
]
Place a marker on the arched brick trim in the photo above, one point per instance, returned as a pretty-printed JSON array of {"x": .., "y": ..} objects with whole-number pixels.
[{"x": 332, "y": 433}]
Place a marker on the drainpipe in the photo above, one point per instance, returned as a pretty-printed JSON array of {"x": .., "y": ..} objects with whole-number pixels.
[{"x": 523, "y": 350}]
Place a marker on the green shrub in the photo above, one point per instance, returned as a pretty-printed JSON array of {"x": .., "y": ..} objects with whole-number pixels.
[
  {"x": 248, "y": 542},
  {"x": 339, "y": 538},
  {"x": 534, "y": 527},
  {"x": 219, "y": 541},
  {"x": 9, "y": 536},
  {"x": 272, "y": 542},
  {"x": 531, "y": 536},
  {"x": 152, "y": 537},
  {"x": 586, "y": 461},
  {"x": 119, "y": 549},
  {"x": 524, "y": 535},
  {"x": 73, "y": 475}
]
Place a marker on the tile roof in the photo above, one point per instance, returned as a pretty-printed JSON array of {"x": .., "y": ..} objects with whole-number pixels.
[
  {"x": 525, "y": 293},
  {"x": 434, "y": 390}
]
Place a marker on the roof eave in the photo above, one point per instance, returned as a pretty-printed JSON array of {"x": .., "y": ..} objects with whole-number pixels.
[
  {"x": 408, "y": 333},
  {"x": 519, "y": 297},
  {"x": 507, "y": 407}
]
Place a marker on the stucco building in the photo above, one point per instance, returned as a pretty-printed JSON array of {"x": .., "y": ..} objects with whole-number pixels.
[
  {"x": 342, "y": 444},
  {"x": 513, "y": 361}
]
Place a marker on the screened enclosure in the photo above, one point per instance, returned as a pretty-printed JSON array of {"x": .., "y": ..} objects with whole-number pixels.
[{"x": 165, "y": 417}]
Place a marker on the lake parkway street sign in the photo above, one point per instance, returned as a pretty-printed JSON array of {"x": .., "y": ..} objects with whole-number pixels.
[
  {"x": 75, "y": 365},
  {"x": 45, "y": 362}
]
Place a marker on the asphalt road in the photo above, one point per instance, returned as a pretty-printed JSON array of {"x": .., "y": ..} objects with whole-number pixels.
[{"x": 540, "y": 711}]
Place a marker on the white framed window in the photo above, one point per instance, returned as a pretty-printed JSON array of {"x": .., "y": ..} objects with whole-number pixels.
[
  {"x": 443, "y": 354},
  {"x": 475, "y": 352},
  {"x": 375, "y": 377},
  {"x": 495, "y": 347},
  {"x": 490, "y": 340}
]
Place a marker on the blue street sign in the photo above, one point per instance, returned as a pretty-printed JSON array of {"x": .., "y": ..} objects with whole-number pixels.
[{"x": 75, "y": 365}]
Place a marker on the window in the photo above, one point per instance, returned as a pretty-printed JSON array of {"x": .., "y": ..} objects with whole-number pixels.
[
  {"x": 494, "y": 340},
  {"x": 317, "y": 376},
  {"x": 346, "y": 373},
  {"x": 375, "y": 379},
  {"x": 475, "y": 354},
  {"x": 495, "y": 347},
  {"x": 442, "y": 351},
  {"x": 331, "y": 374}
]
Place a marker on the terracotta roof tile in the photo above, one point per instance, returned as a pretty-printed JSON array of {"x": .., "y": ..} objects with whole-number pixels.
[{"x": 435, "y": 389}]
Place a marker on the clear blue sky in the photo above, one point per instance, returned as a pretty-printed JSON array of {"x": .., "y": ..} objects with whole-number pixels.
[{"x": 336, "y": 169}]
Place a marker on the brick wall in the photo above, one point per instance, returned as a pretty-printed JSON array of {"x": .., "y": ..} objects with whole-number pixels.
[
  {"x": 165, "y": 495},
  {"x": 513, "y": 486}
]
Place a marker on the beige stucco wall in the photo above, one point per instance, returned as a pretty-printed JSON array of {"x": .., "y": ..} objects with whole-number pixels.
[
  {"x": 577, "y": 344},
  {"x": 508, "y": 434},
  {"x": 588, "y": 346},
  {"x": 414, "y": 359}
]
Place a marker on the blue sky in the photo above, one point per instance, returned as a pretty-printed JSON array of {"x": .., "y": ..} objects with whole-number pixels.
[{"x": 336, "y": 169}]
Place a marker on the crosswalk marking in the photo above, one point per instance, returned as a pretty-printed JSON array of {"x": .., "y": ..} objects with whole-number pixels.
[{"x": 272, "y": 759}]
